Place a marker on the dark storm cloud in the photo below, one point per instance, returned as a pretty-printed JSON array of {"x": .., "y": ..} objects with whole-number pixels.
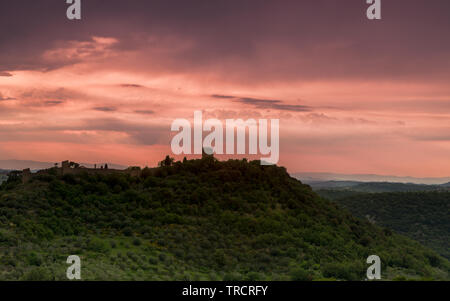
[
  {"x": 139, "y": 133},
  {"x": 6, "y": 98},
  {"x": 59, "y": 94},
  {"x": 273, "y": 104},
  {"x": 222, "y": 96},
  {"x": 150, "y": 137},
  {"x": 105, "y": 109},
  {"x": 251, "y": 39},
  {"x": 265, "y": 103},
  {"x": 144, "y": 112},
  {"x": 131, "y": 86},
  {"x": 53, "y": 102}
]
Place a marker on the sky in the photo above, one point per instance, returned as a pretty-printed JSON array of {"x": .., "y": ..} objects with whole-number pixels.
[{"x": 352, "y": 95}]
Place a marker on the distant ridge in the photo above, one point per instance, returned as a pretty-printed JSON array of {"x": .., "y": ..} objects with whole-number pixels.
[
  {"x": 37, "y": 165},
  {"x": 311, "y": 177}
]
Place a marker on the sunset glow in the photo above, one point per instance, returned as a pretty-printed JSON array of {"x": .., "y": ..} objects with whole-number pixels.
[{"x": 352, "y": 96}]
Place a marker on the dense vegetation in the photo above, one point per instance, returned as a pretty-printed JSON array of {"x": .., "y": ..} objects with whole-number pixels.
[
  {"x": 423, "y": 216},
  {"x": 194, "y": 220}
]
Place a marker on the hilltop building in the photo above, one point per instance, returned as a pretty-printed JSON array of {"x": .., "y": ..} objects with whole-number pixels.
[{"x": 73, "y": 168}]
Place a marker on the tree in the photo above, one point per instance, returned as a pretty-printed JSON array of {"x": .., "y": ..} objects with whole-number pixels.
[{"x": 168, "y": 161}]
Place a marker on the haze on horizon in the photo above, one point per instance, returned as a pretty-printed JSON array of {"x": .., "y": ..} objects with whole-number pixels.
[{"x": 353, "y": 96}]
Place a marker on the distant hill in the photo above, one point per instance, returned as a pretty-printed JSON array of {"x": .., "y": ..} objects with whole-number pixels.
[
  {"x": 310, "y": 177},
  {"x": 194, "y": 220},
  {"x": 423, "y": 216},
  {"x": 375, "y": 186},
  {"x": 36, "y": 165},
  {"x": 332, "y": 184}
]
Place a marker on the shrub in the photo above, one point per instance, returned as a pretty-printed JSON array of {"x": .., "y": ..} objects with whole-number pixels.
[
  {"x": 37, "y": 274},
  {"x": 300, "y": 274},
  {"x": 34, "y": 259},
  {"x": 127, "y": 231},
  {"x": 98, "y": 245}
]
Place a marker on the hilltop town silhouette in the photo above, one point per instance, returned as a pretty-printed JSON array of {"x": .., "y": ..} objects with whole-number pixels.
[
  {"x": 69, "y": 167},
  {"x": 73, "y": 168}
]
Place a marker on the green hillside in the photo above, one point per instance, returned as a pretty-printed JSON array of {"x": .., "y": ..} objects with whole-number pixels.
[
  {"x": 194, "y": 220},
  {"x": 423, "y": 216}
]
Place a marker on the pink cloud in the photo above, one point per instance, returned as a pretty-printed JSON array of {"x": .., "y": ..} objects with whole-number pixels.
[{"x": 351, "y": 97}]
